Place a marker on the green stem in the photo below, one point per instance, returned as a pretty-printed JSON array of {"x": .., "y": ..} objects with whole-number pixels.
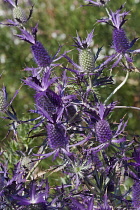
[
  {"x": 41, "y": 151},
  {"x": 117, "y": 88},
  {"x": 127, "y": 107}
]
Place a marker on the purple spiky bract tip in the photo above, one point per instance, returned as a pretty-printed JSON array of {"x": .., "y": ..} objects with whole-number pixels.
[
  {"x": 40, "y": 54},
  {"x": 103, "y": 131}
]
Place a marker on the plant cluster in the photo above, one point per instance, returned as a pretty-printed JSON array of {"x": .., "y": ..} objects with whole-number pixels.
[{"x": 95, "y": 162}]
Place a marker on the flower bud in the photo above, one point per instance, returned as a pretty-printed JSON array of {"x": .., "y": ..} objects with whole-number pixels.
[
  {"x": 19, "y": 15},
  {"x": 103, "y": 131},
  {"x": 56, "y": 136},
  {"x": 41, "y": 56},
  {"x": 86, "y": 60}
]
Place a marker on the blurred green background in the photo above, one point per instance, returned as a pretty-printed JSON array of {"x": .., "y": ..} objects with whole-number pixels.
[{"x": 58, "y": 22}]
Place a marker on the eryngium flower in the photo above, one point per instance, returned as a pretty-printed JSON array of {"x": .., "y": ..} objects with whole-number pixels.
[
  {"x": 86, "y": 60},
  {"x": 19, "y": 15},
  {"x": 103, "y": 131},
  {"x": 86, "y": 57},
  {"x": 56, "y": 136},
  {"x": 41, "y": 56},
  {"x": 136, "y": 195},
  {"x": 117, "y": 19},
  {"x": 121, "y": 43}
]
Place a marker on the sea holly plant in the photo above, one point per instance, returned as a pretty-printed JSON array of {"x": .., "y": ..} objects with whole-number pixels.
[{"x": 91, "y": 160}]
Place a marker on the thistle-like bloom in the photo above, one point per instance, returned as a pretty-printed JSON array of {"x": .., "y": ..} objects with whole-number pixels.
[
  {"x": 136, "y": 195},
  {"x": 103, "y": 131},
  {"x": 41, "y": 56},
  {"x": 97, "y": 3},
  {"x": 102, "y": 127},
  {"x": 87, "y": 62},
  {"x": 86, "y": 56},
  {"x": 57, "y": 137},
  {"x": 18, "y": 14},
  {"x": 121, "y": 43}
]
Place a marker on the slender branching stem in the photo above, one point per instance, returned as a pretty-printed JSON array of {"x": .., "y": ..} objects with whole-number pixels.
[{"x": 117, "y": 88}]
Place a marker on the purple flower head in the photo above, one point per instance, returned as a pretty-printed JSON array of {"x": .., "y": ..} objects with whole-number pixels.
[
  {"x": 136, "y": 195},
  {"x": 121, "y": 43},
  {"x": 41, "y": 56},
  {"x": 97, "y": 3},
  {"x": 103, "y": 131},
  {"x": 57, "y": 137},
  {"x": 102, "y": 128}
]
